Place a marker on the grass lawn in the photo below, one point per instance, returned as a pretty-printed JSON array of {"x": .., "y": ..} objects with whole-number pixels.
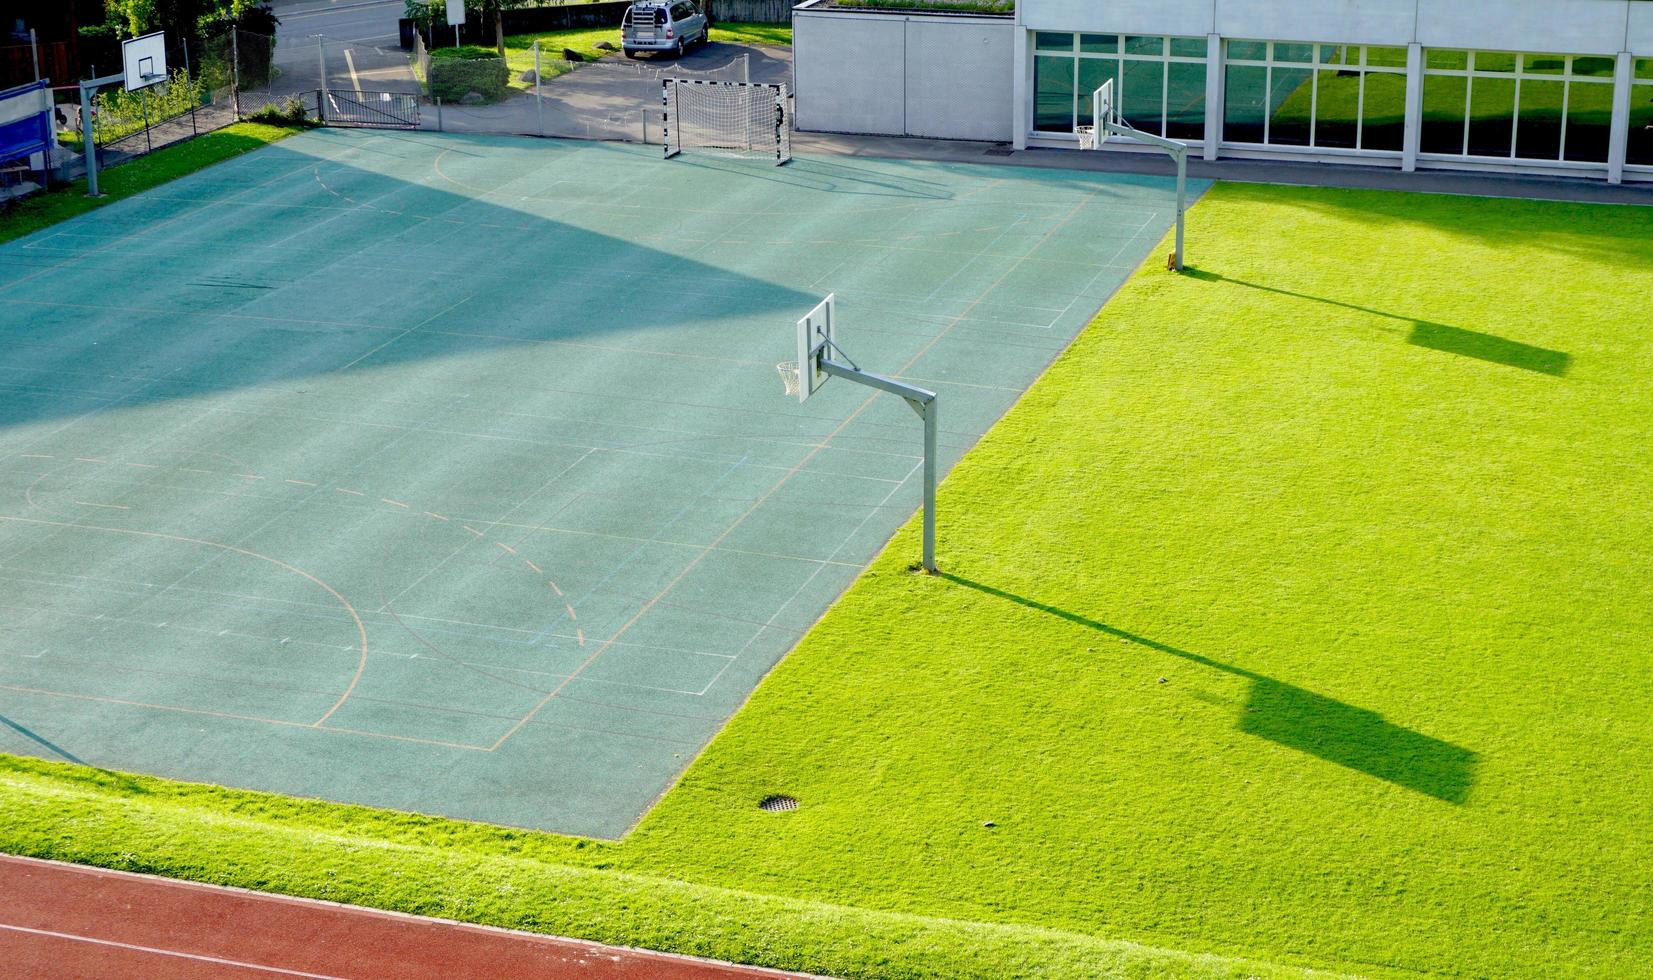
[
  {"x": 519, "y": 48},
  {"x": 150, "y": 170},
  {"x": 1297, "y": 616}
]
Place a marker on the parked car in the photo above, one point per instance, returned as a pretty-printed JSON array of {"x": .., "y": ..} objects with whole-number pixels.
[{"x": 662, "y": 25}]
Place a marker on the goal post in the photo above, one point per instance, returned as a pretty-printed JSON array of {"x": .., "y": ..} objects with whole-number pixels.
[{"x": 739, "y": 119}]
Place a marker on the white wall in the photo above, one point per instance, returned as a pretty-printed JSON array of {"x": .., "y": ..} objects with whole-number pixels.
[
  {"x": 1561, "y": 26},
  {"x": 1387, "y": 22},
  {"x": 1191, "y": 18},
  {"x": 849, "y": 73},
  {"x": 904, "y": 75},
  {"x": 958, "y": 78}
]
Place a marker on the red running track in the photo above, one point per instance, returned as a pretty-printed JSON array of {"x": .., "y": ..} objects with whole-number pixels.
[{"x": 62, "y": 920}]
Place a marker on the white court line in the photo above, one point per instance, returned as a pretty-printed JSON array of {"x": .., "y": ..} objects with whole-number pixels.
[{"x": 197, "y": 957}]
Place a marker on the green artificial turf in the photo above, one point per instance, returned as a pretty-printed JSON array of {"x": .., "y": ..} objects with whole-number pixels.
[
  {"x": 1298, "y": 615},
  {"x": 135, "y": 176}
]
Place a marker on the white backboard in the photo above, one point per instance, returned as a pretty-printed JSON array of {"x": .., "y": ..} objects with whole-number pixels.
[
  {"x": 814, "y": 331},
  {"x": 144, "y": 60},
  {"x": 456, "y": 12}
]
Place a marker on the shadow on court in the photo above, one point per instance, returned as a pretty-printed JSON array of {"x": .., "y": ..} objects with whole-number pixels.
[
  {"x": 453, "y": 474},
  {"x": 1436, "y": 336},
  {"x": 1326, "y": 728}
]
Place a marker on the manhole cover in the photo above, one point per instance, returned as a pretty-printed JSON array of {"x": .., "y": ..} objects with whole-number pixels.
[
  {"x": 999, "y": 151},
  {"x": 777, "y": 804}
]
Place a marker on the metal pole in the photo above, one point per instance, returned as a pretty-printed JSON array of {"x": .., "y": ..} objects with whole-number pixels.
[
  {"x": 321, "y": 60},
  {"x": 439, "y": 128},
  {"x": 88, "y": 143},
  {"x": 143, "y": 104},
  {"x": 929, "y": 412},
  {"x": 235, "y": 73},
  {"x": 34, "y": 54},
  {"x": 539, "y": 103},
  {"x": 190, "y": 90},
  {"x": 1182, "y": 202}
]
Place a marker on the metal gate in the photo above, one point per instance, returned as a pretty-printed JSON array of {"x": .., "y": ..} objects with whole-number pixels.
[{"x": 378, "y": 110}]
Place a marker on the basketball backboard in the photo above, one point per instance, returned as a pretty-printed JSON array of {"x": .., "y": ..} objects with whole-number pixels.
[
  {"x": 814, "y": 340},
  {"x": 144, "y": 60}
]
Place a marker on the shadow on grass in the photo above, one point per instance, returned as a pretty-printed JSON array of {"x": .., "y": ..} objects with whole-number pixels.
[
  {"x": 1326, "y": 728},
  {"x": 1437, "y": 336}
]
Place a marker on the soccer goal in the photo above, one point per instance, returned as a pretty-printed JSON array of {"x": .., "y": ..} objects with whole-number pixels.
[{"x": 740, "y": 119}]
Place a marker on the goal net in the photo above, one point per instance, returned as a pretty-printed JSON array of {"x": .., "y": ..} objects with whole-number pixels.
[{"x": 740, "y": 119}]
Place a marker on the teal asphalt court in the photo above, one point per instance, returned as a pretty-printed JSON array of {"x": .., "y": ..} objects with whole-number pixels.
[{"x": 454, "y": 474}]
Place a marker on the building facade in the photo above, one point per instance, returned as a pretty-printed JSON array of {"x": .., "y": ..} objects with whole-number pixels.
[{"x": 1536, "y": 86}]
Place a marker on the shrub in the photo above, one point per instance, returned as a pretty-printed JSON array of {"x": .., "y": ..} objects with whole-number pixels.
[
  {"x": 457, "y": 72},
  {"x": 293, "y": 112}
]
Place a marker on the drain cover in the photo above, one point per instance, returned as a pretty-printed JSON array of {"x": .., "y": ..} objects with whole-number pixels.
[
  {"x": 777, "y": 804},
  {"x": 999, "y": 151}
]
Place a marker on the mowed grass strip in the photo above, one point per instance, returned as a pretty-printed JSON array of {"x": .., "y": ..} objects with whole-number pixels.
[
  {"x": 1296, "y": 615},
  {"x": 494, "y": 876},
  {"x": 1299, "y": 612},
  {"x": 135, "y": 176}
]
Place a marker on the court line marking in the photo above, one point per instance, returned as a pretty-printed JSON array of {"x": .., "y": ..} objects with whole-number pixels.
[
  {"x": 158, "y": 951},
  {"x": 361, "y": 628}
]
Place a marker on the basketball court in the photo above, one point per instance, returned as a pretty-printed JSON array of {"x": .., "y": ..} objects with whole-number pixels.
[{"x": 454, "y": 474}]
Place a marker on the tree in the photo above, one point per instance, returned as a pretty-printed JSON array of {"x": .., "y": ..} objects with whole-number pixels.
[{"x": 428, "y": 13}]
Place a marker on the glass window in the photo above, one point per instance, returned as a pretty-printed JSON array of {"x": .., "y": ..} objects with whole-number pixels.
[
  {"x": 1383, "y": 112},
  {"x": 1443, "y": 113},
  {"x": 1185, "y": 101},
  {"x": 1142, "y": 95},
  {"x": 1491, "y": 116},
  {"x": 1294, "y": 53},
  {"x": 1291, "y": 101},
  {"x": 1644, "y": 68},
  {"x": 1247, "y": 51},
  {"x": 1542, "y": 105},
  {"x": 1099, "y": 43},
  {"x": 1498, "y": 61},
  {"x": 1543, "y": 64},
  {"x": 1145, "y": 45},
  {"x": 1639, "y": 151},
  {"x": 1337, "y": 109},
  {"x": 1245, "y": 100},
  {"x": 1387, "y": 57},
  {"x": 1446, "y": 60},
  {"x": 1049, "y": 41},
  {"x": 1188, "y": 47},
  {"x": 1339, "y": 54},
  {"x": 1092, "y": 73},
  {"x": 1053, "y": 94},
  {"x": 1589, "y": 119},
  {"x": 1595, "y": 67}
]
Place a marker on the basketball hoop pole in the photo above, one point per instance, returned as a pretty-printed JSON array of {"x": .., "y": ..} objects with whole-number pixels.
[
  {"x": 1179, "y": 153},
  {"x": 88, "y": 139},
  {"x": 923, "y": 403}
]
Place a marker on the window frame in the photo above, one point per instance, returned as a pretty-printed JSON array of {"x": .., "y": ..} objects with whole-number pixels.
[
  {"x": 1470, "y": 72},
  {"x": 1315, "y": 66},
  {"x": 1120, "y": 54}
]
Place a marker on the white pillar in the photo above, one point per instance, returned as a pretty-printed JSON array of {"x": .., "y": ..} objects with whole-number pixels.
[
  {"x": 1413, "y": 135},
  {"x": 1213, "y": 94},
  {"x": 1021, "y": 87},
  {"x": 1618, "y": 143}
]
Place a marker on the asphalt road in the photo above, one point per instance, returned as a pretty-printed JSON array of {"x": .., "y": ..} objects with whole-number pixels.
[{"x": 357, "y": 44}]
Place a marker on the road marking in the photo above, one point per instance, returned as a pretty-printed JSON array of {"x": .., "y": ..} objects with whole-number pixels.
[
  {"x": 350, "y": 63},
  {"x": 88, "y": 503}
]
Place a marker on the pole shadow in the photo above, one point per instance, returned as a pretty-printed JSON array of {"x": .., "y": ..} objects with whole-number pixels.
[
  {"x": 1323, "y": 727},
  {"x": 1438, "y": 336}
]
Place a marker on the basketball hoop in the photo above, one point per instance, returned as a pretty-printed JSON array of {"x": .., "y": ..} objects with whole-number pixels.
[
  {"x": 1087, "y": 137},
  {"x": 789, "y": 377}
]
